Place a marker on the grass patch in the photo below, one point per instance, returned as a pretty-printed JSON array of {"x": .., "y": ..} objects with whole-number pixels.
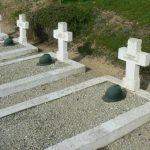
[
  {"x": 136, "y": 10},
  {"x": 104, "y": 44},
  {"x": 112, "y": 40}
]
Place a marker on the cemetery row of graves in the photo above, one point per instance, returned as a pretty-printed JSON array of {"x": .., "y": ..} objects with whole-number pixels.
[{"x": 48, "y": 101}]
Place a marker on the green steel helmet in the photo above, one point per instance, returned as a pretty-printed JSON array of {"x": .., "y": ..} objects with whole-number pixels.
[
  {"x": 8, "y": 42},
  {"x": 44, "y": 60},
  {"x": 114, "y": 94}
]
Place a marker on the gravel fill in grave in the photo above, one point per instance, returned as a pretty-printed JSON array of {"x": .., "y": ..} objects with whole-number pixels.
[
  {"x": 8, "y": 48},
  {"x": 25, "y": 69},
  {"x": 43, "y": 89},
  {"x": 53, "y": 122}
]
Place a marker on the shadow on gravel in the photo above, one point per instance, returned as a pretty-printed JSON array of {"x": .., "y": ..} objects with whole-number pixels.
[
  {"x": 104, "y": 148},
  {"x": 78, "y": 58}
]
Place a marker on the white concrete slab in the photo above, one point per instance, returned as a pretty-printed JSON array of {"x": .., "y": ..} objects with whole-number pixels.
[
  {"x": 107, "y": 132},
  {"x": 23, "y": 59},
  {"x": 49, "y": 97},
  {"x": 42, "y": 78},
  {"x": 101, "y": 135},
  {"x": 10, "y": 54},
  {"x": 111, "y": 130}
]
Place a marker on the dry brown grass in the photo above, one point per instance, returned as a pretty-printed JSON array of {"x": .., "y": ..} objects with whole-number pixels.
[{"x": 9, "y": 7}]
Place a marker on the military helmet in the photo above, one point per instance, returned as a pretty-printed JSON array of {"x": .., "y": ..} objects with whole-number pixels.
[
  {"x": 8, "y": 41},
  {"x": 114, "y": 93},
  {"x": 44, "y": 60}
]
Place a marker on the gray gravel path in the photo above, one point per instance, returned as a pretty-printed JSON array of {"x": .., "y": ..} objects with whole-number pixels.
[
  {"x": 25, "y": 69},
  {"x": 50, "y": 123},
  {"x": 8, "y": 48}
]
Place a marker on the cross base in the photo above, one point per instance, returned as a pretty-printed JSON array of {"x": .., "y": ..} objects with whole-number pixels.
[
  {"x": 133, "y": 85},
  {"x": 22, "y": 40},
  {"x": 61, "y": 56}
]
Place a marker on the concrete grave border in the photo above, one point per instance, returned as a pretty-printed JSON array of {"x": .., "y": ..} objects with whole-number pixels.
[
  {"x": 111, "y": 130},
  {"x": 10, "y": 54},
  {"x": 107, "y": 132},
  {"x": 23, "y": 59},
  {"x": 42, "y": 78},
  {"x": 101, "y": 135}
]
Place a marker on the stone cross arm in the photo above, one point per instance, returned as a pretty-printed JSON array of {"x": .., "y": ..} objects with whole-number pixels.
[
  {"x": 141, "y": 58},
  {"x": 65, "y": 36},
  {"x": 22, "y": 23}
]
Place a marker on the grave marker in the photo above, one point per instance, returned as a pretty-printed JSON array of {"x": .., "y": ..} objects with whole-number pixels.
[
  {"x": 63, "y": 37},
  {"x": 0, "y": 24},
  {"x": 3, "y": 36},
  {"x": 134, "y": 58},
  {"x": 23, "y": 25}
]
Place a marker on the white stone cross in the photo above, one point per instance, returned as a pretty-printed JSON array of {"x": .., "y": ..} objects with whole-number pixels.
[
  {"x": 134, "y": 58},
  {"x": 3, "y": 36},
  {"x": 23, "y": 25},
  {"x": 63, "y": 37},
  {"x": 0, "y": 23}
]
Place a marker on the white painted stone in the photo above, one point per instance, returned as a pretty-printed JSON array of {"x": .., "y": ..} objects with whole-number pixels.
[
  {"x": 14, "y": 61},
  {"x": 3, "y": 36},
  {"x": 100, "y": 135},
  {"x": 63, "y": 37},
  {"x": 69, "y": 90},
  {"x": 42, "y": 78},
  {"x": 0, "y": 23},
  {"x": 111, "y": 130},
  {"x": 134, "y": 59},
  {"x": 23, "y": 25},
  {"x": 107, "y": 132},
  {"x": 49, "y": 97},
  {"x": 52, "y": 76},
  {"x": 11, "y": 54}
]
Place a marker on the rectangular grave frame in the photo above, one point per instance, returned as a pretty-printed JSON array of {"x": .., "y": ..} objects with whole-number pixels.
[
  {"x": 98, "y": 136},
  {"x": 39, "y": 79},
  {"x": 11, "y": 54},
  {"x": 111, "y": 130}
]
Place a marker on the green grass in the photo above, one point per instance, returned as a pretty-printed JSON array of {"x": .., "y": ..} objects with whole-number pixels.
[
  {"x": 107, "y": 41},
  {"x": 105, "y": 44},
  {"x": 137, "y": 10},
  {"x": 112, "y": 40}
]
